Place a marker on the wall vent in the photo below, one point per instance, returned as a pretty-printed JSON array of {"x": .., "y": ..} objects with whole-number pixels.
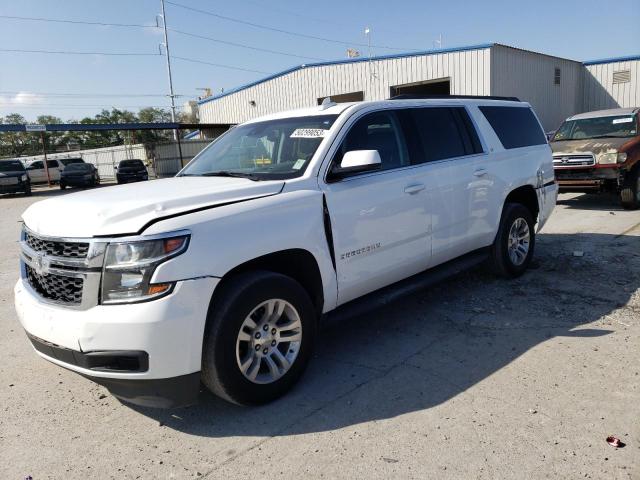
[
  {"x": 556, "y": 76},
  {"x": 622, "y": 76}
]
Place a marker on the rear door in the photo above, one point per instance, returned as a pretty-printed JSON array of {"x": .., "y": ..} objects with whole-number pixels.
[
  {"x": 458, "y": 185},
  {"x": 36, "y": 172},
  {"x": 380, "y": 221}
]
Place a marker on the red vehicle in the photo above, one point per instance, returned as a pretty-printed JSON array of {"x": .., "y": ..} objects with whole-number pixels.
[{"x": 600, "y": 151}]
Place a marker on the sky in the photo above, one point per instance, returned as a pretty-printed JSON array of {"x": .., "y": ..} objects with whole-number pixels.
[{"x": 74, "y": 86}]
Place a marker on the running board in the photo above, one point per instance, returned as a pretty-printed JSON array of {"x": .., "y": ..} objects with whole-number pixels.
[{"x": 413, "y": 284}]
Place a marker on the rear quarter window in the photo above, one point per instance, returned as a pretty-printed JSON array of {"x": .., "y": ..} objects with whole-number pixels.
[{"x": 515, "y": 126}]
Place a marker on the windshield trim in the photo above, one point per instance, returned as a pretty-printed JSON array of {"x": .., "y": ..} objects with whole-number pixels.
[
  {"x": 266, "y": 175},
  {"x": 634, "y": 122}
]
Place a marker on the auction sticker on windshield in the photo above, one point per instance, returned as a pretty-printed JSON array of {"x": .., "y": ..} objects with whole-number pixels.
[
  {"x": 623, "y": 120},
  {"x": 308, "y": 133}
]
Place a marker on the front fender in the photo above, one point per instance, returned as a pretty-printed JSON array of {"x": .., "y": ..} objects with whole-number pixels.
[{"x": 227, "y": 236}]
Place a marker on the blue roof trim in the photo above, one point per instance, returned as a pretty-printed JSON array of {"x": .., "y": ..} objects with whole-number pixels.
[
  {"x": 343, "y": 61},
  {"x": 612, "y": 60},
  {"x": 189, "y": 136}
]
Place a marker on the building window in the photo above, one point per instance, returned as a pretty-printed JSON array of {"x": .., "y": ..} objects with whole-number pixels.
[
  {"x": 622, "y": 76},
  {"x": 556, "y": 76}
]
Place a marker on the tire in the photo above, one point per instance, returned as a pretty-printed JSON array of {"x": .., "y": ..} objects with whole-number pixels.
[
  {"x": 62, "y": 186},
  {"x": 27, "y": 192},
  {"x": 501, "y": 259},
  {"x": 224, "y": 350},
  {"x": 630, "y": 193}
]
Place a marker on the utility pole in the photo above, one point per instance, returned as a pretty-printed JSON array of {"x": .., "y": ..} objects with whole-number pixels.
[
  {"x": 367, "y": 32},
  {"x": 46, "y": 162},
  {"x": 166, "y": 49}
]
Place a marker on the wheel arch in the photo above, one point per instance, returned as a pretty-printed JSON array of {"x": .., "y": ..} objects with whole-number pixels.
[
  {"x": 524, "y": 195},
  {"x": 296, "y": 263}
]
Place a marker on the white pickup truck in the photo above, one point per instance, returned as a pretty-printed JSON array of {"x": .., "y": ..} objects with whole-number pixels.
[{"x": 221, "y": 274}]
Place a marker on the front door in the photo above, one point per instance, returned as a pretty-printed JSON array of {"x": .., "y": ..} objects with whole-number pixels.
[{"x": 379, "y": 220}]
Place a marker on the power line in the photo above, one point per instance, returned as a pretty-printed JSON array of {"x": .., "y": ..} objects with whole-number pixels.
[
  {"x": 240, "y": 45},
  {"x": 181, "y": 32},
  {"x": 77, "y": 22},
  {"x": 68, "y": 52},
  {"x": 186, "y": 59},
  {"x": 86, "y": 95},
  {"x": 279, "y": 30},
  {"x": 193, "y": 60}
]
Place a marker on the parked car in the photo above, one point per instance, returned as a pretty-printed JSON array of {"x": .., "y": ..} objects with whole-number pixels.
[
  {"x": 600, "y": 151},
  {"x": 13, "y": 177},
  {"x": 79, "y": 175},
  {"x": 222, "y": 273},
  {"x": 131, "y": 171},
  {"x": 38, "y": 174}
]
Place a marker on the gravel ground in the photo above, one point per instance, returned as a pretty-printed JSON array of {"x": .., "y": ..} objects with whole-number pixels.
[{"x": 474, "y": 378}]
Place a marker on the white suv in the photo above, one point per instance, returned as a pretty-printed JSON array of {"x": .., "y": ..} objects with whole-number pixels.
[{"x": 222, "y": 274}]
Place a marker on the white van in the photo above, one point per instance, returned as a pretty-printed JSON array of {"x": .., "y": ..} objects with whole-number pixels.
[{"x": 222, "y": 274}]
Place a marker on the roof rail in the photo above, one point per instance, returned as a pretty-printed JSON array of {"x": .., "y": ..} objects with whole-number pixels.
[{"x": 411, "y": 96}]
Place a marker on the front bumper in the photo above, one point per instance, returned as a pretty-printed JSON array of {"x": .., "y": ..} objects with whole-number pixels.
[
  {"x": 76, "y": 181},
  {"x": 131, "y": 178},
  {"x": 586, "y": 178},
  {"x": 168, "y": 331}
]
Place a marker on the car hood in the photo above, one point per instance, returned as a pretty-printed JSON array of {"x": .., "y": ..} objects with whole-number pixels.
[
  {"x": 16, "y": 173},
  {"x": 126, "y": 209},
  {"x": 595, "y": 146}
]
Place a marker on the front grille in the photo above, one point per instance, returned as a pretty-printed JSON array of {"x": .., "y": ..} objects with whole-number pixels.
[
  {"x": 57, "y": 248},
  {"x": 574, "y": 160},
  {"x": 58, "y": 288}
]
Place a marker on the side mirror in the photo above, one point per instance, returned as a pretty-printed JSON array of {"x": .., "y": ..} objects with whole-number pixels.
[{"x": 357, "y": 161}]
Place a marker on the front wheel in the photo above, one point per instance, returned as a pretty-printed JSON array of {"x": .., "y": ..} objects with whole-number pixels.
[
  {"x": 62, "y": 186},
  {"x": 512, "y": 249},
  {"x": 630, "y": 193},
  {"x": 260, "y": 332}
]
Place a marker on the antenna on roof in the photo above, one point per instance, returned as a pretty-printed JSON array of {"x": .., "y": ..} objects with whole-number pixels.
[{"x": 327, "y": 103}]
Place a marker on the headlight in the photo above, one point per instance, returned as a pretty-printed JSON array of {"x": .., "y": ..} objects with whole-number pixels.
[
  {"x": 129, "y": 266},
  {"x": 608, "y": 158},
  {"x": 23, "y": 178},
  {"x": 622, "y": 157}
]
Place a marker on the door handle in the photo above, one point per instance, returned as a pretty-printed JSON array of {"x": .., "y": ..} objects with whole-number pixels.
[
  {"x": 414, "y": 188},
  {"x": 480, "y": 172}
]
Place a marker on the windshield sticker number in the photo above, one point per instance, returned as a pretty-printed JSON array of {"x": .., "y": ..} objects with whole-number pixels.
[
  {"x": 299, "y": 164},
  {"x": 309, "y": 133},
  {"x": 623, "y": 120}
]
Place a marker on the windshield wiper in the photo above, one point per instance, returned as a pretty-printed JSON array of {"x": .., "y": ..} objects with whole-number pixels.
[{"x": 227, "y": 173}]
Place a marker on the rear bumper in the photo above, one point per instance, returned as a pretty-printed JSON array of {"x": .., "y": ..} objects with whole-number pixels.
[
  {"x": 77, "y": 182},
  {"x": 15, "y": 188},
  {"x": 131, "y": 178}
]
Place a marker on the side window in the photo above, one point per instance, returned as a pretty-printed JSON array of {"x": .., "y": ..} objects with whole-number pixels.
[
  {"x": 52, "y": 164},
  {"x": 441, "y": 134},
  {"x": 376, "y": 131},
  {"x": 37, "y": 165},
  {"x": 515, "y": 126}
]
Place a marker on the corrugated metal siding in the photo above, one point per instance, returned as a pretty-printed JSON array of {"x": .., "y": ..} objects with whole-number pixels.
[
  {"x": 468, "y": 71},
  {"x": 529, "y": 76},
  {"x": 601, "y": 93}
]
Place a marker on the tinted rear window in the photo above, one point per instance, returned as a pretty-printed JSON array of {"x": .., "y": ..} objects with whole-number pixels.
[
  {"x": 131, "y": 163},
  {"x": 11, "y": 166},
  {"x": 515, "y": 126},
  {"x": 439, "y": 133},
  {"x": 79, "y": 167}
]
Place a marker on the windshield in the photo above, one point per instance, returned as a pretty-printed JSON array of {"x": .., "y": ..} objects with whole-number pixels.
[
  {"x": 273, "y": 149},
  {"x": 619, "y": 126},
  {"x": 78, "y": 167},
  {"x": 11, "y": 166},
  {"x": 131, "y": 163}
]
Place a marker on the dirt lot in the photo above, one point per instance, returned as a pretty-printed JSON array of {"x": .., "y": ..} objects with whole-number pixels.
[{"x": 475, "y": 378}]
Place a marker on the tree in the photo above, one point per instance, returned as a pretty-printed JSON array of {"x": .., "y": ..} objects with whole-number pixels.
[{"x": 15, "y": 144}]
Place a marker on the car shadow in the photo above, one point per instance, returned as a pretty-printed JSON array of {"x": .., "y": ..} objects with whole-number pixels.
[
  {"x": 428, "y": 347},
  {"x": 591, "y": 201}
]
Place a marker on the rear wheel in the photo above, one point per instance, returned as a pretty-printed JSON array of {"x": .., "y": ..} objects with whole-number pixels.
[
  {"x": 62, "y": 186},
  {"x": 513, "y": 247},
  {"x": 630, "y": 193},
  {"x": 261, "y": 328},
  {"x": 27, "y": 191}
]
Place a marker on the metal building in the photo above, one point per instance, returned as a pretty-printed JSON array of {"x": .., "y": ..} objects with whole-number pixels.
[{"x": 556, "y": 87}]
